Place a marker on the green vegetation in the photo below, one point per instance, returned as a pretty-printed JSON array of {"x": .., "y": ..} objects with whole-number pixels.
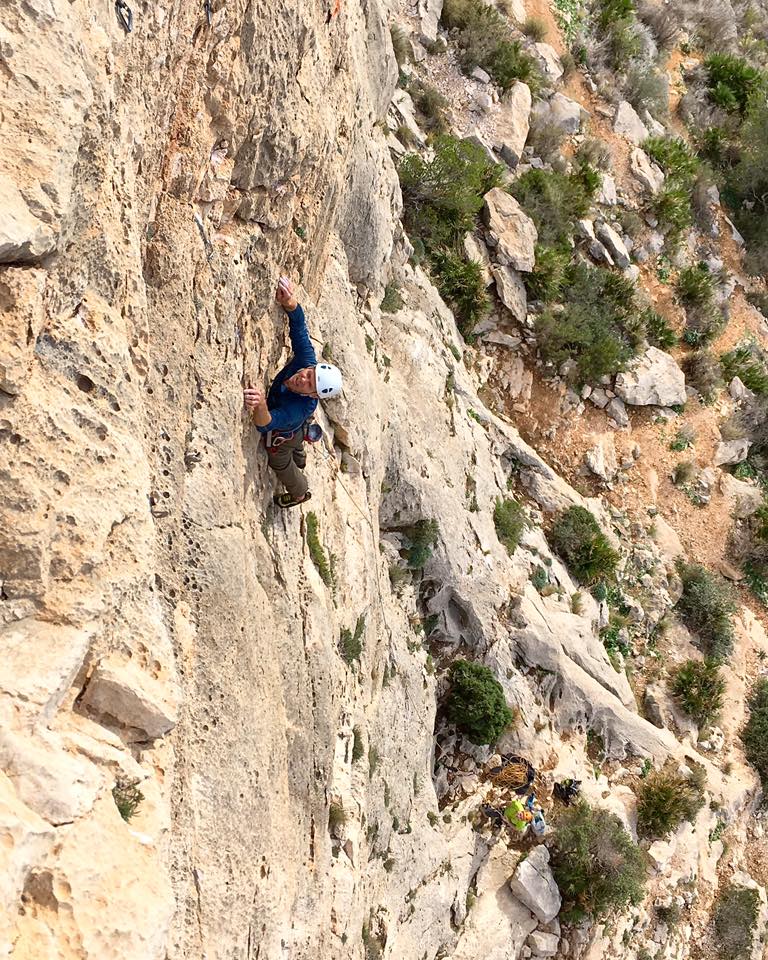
[
  {"x": 392, "y": 301},
  {"x": 704, "y": 373},
  {"x": 596, "y": 865},
  {"x": 442, "y": 198},
  {"x": 358, "y": 750},
  {"x": 554, "y": 201},
  {"x": 674, "y": 156},
  {"x": 748, "y": 362},
  {"x": 684, "y": 438},
  {"x": 400, "y": 44},
  {"x": 577, "y": 537},
  {"x": 483, "y": 39},
  {"x": 683, "y": 473},
  {"x": 665, "y": 799},
  {"x": 423, "y": 537},
  {"x": 754, "y": 736},
  {"x": 510, "y": 521},
  {"x": 732, "y": 81},
  {"x": 695, "y": 289},
  {"x": 535, "y": 29},
  {"x": 336, "y": 816},
  {"x": 707, "y": 608},
  {"x": 698, "y": 688},
  {"x": 317, "y": 552},
  {"x": 658, "y": 332},
  {"x": 735, "y": 917},
  {"x": 352, "y": 642},
  {"x": 431, "y": 104},
  {"x": 127, "y": 797},
  {"x": 476, "y": 702}
]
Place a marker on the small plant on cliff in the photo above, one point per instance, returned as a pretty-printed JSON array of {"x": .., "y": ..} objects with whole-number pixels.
[
  {"x": 127, "y": 797},
  {"x": 755, "y": 733},
  {"x": 707, "y": 608},
  {"x": 577, "y": 537},
  {"x": 735, "y": 917},
  {"x": 336, "y": 816},
  {"x": 391, "y": 301},
  {"x": 423, "y": 537},
  {"x": 665, "y": 799},
  {"x": 317, "y": 552},
  {"x": 732, "y": 81},
  {"x": 749, "y": 363},
  {"x": 534, "y": 28},
  {"x": 510, "y": 521},
  {"x": 352, "y": 641},
  {"x": 476, "y": 702},
  {"x": 597, "y": 866},
  {"x": 698, "y": 687},
  {"x": 358, "y": 750},
  {"x": 400, "y": 44}
]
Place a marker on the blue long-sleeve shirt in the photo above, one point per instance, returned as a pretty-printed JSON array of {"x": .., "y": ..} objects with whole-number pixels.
[{"x": 289, "y": 410}]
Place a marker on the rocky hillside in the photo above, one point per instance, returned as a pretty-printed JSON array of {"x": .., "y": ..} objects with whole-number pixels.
[{"x": 538, "y": 516}]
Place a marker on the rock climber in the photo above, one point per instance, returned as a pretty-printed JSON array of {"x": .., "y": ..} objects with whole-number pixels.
[{"x": 284, "y": 416}]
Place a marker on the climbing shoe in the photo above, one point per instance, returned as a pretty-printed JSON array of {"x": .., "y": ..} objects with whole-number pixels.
[{"x": 285, "y": 500}]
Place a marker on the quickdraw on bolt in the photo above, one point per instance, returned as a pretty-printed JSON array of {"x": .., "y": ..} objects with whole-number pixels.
[
  {"x": 124, "y": 15},
  {"x": 208, "y": 12}
]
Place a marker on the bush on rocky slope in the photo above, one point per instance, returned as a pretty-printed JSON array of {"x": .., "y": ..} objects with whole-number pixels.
[
  {"x": 665, "y": 798},
  {"x": 754, "y": 736},
  {"x": 698, "y": 688},
  {"x": 735, "y": 917},
  {"x": 597, "y": 866},
  {"x": 578, "y": 539},
  {"x": 707, "y": 608},
  {"x": 703, "y": 373},
  {"x": 510, "y": 522},
  {"x": 476, "y": 702}
]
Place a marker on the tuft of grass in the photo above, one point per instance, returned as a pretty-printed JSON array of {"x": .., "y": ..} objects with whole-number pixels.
[
  {"x": 432, "y": 106},
  {"x": 684, "y": 473},
  {"x": 674, "y": 156},
  {"x": 317, "y": 551},
  {"x": 545, "y": 137},
  {"x": 358, "y": 750},
  {"x": 698, "y": 687},
  {"x": 336, "y": 816},
  {"x": 400, "y": 44},
  {"x": 658, "y": 331},
  {"x": 423, "y": 537},
  {"x": 732, "y": 81},
  {"x": 748, "y": 362},
  {"x": 665, "y": 799},
  {"x": 535, "y": 29},
  {"x": 577, "y": 537},
  {"x": 127, "y": 796},
  {"x": 510, "y": 522},
  {"x": 684, "y": 438},
  {"x": 707, "y": 608},
  {"x": 476, "y": 702},
  {"x": 392, "y": 301},
  {"x": 703, "y": 372}
]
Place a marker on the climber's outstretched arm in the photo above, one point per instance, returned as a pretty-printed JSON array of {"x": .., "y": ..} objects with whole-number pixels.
[
  {"x": 303, "y": 351},
  {"x": 256, "y": 403}
]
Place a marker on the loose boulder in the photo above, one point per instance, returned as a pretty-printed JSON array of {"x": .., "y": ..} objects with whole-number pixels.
[
  {"x": 628, "y": 124},
  {"x": 533, "y": 884},
  {"x": 614, "y": 244},
  {"x": 731, "y": 451},
  {"x": 549, "y": 61},
  {"x": 512, "y": 123},
  {"x": 654, "y": 378},
  {"x": 131, "y": 697},
  {"x": 643, "y": 170},
  {"x": 511, "y": 231},
  {"x": 511, "y": 291}
]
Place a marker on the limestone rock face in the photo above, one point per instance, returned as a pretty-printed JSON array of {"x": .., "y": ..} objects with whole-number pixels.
[
  {"x": 511, "y": 291},
  {"x": 654, "y": 378},
  {"x": 628, "y": 124},
  {"x": 601, "y": 458},
  {"x": 132, "y": 697},
  {"x": 615, "y": 245},
  {"x": 511, "y": 230},
  {"x": 533, "y": 884},
  {"x": 565, "y": 113},
  {"x": 549, "y": 61},
  {"x": 512, "y": 123},
  {"x": 731, "y": 451}
]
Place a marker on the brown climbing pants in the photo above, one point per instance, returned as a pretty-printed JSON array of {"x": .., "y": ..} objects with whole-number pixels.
[{"x": 288, "y": 461}]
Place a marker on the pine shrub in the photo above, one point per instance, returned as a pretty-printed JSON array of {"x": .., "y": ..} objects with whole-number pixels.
[
  {"x": 577, "y": 537},
  {"x": 707, "y": 608},
  {"x": 423, "y": 537},
  {"x": 597, "y": 866},
  {"x": 476, "y": 702},
  {"x": 698, "y": 687}
]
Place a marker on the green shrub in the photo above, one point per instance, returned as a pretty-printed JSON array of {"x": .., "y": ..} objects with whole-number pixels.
[
  {"x": 578, "y": 539},
  {"x": 746, "y": 190},
  {"x": 317, "y": 552},
  {"x": 612, "y": 11},
  {"x": 658, "y": 331},
  {"x": 534, "y": 28},
  {"x": 483, "y": 39},
  {"x": 646, "y": 87},
  {"x": 672, "y": 208},
  {"x": 698, "y": 687},
  {"x": 597, "y": 327},
  {"x": 703, "y": 372},
  {"x": 400, "y": 44},
  {"x": 735, "y": 916},
  {"x": 476, "y": 702},
  {"x": 707, "y": 608},
  {"x": 545, "y": 137},
  {"x": 392, "y": 301},
  {"x": 462, "y": 286},
  {"x": 663, "y": 23},
  {"x": 547, "y": 280},
  {"x": 597, "y": 866},
  {"x": 358, "y": 750},
  {"x": 554, "y": 201},
  {"x": 336, "y": 816},
  {"x": 432, "y": 106},
  {"x": 423, "y": 537},
  {"x": 754, "y": 736},
  {"x": 664, "y": 800},
  {"x": 674, "y": 156},
  {"x": 510, "y": 522},
  {"x": 732, "y": 81},
  {"x": 352, "y": 642},
  {"x": 127, "y": 796},
  {"x": 595, "y": 153},
  {"x": 683, "y": 473},
  {"x": 747, "y": 362},
  {"x": 695, "y": 286},
  {"x": 684, "y": 438}
]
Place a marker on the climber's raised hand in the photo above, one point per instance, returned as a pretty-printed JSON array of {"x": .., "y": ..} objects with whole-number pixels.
[
  {"x": 254, "y": 398},
  {"x": 285, "y": 294}
]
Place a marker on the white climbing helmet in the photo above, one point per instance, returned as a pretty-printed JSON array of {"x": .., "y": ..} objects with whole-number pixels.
[{"x": 328, "y": 381}]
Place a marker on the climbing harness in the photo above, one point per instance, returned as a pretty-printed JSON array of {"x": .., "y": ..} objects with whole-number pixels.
[
  {"x": 276, "y": 438},
  {"x": 124, "y": 15}
]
